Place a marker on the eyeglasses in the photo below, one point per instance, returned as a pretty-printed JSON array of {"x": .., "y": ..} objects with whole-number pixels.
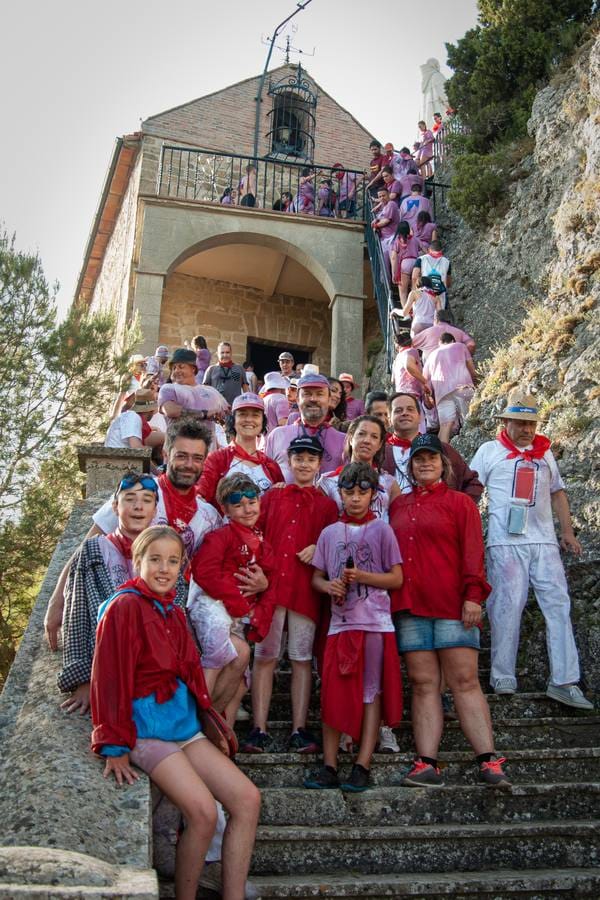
[
  {"x": 128, "y": 481},
  {"x": 237, "y": 496},
  {"x": 349, "y": 483}
]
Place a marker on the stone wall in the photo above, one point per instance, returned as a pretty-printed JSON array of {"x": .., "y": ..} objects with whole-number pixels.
[
  {"x": 112, "y": 288},
  {"x": 223, "y": 311}
]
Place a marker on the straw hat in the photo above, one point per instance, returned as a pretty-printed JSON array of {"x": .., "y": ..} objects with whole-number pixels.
[
  {"x": 144, "y": 401},
  {"x": 520, "y": 406}
]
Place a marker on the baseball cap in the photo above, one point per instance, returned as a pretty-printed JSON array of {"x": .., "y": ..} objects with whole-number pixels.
[
  {"x": 313, "y": 379},
  {"x": 274, "y": 381},
  {"x": 346, "y": 376},
  {"x": 286, "y": 355},
  {"x": 308, "y": 443},
  {"x": 161, "y": 350},
  {"x": 429, "y": 442},
  {"x": 247, "y": 401}
]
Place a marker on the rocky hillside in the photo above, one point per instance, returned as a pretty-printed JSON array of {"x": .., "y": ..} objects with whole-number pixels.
[{"x": 528, "y": 288}]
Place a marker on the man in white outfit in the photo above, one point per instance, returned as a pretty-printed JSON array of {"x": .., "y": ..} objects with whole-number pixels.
[{"x": 524, "y": 490}]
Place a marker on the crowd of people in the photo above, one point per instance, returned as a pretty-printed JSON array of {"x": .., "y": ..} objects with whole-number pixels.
[{"x": 287, "y": 515}]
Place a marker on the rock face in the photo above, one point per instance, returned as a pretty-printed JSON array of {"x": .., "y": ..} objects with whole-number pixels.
[{"x": 527, "y": 289}]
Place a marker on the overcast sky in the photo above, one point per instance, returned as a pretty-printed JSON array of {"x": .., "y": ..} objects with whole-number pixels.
[{"x": 76, "y": 74}]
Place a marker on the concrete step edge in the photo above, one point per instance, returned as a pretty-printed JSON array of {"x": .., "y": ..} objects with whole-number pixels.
[
  {"x": 562, "y": 753},
  {"x": 571, "y": 828}
]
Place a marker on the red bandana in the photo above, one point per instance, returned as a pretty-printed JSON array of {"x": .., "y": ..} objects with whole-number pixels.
[
  {"x": 226, "y": 365},
  {"x": 351, "y": 520},
  {"x": 140, "y": 585},
  {"x": 540, "y": 445},
  {"x": 251, "y": 537},
  {"x": 121, "y": 542},
  {"x": 181, "y": 508},
  {"x": 396, "y": 441},
  {"x": 436, "y": 254}
]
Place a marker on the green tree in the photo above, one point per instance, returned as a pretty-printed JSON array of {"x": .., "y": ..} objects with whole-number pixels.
[
  {"x": 56, "y": 379},
  {"x": 499, "y": 65}
]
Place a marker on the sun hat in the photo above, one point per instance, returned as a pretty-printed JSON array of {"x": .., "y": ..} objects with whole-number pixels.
[
  {"x": 161, "y": 350},
  {"x": 247, "y": 401},
  {"x": 345, "y": 376},
  {"x": 137, "y": 358},
  {"x": 144, "y": 401},
  {"x": 520, "y": 406},
  {"x": 429, "y": 442},
  {"x": 274, "y": 381},
  {"x": 309, "y": 369},
  {"x": 182, "y": 355}
]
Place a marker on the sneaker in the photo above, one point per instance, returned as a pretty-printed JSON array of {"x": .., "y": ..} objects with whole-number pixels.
[
  {"x": 359, "y": 780},
  {"x": 346, "y": 744},
  {"x": 211, "y": 880},
  {"x": 387, "y": 741},
  {"x": 257, "y": 742},
  {"x": 303, "y": 741},
  {"x": 242, "y": 715},
  {"x": 491, "y": 773},
  {"x": 323, "y": 779},
  {"x": 449, "y": 714},
  {"x": 505, "y": 686},
  {"x": 423, "y": 775},
  {"x": 569, "y": 694}
]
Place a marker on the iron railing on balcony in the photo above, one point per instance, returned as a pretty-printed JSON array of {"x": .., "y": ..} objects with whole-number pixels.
[
  {"x": 284, "y": 186},
  {"x": 442, "y": 145}
]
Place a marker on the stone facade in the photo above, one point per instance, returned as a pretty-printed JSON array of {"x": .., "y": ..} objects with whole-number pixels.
[{"x": 220, "y": 310}]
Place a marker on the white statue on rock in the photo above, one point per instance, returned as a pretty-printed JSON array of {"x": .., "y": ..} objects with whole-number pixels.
[{"x": 433, "y": 86}]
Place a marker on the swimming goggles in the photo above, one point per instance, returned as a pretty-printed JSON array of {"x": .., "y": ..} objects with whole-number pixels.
[{"x": 237, "y": 496}]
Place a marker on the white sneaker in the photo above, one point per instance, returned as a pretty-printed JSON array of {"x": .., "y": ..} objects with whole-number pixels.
[
  {"x": 505, "y": 686},
  {"x": 387, "y": 741},
  {"x": 346, "y": 743},
  {"x": 242, "y": 715},
  {"x": 569, "y": 694}
]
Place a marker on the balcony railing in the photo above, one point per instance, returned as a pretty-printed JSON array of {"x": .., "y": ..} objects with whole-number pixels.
[
  {"x": 442, "y": 146},
  {"x": 283, "y": 186}
]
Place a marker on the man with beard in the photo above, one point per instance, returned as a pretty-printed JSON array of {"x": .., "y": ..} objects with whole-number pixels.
[
  {"x": 313, "y": 403},
  {"x": 405, "y": 414},
  {"x": 178, "y": 505}
]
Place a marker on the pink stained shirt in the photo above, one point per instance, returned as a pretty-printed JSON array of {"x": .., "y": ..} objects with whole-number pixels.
[
  {"x": 395, "y": 187},
  {"x": 354, "y": 408},
  {"x": 389, "y": 211},
  {"x": 426, "y": 148},
  {"x": 406, "y": 250},
  {"x": 347, "y": 186},
  {"x": 424, "y": 235},
  {"x": 402, "y": 380},
  {"x": 429, "y": 340},
  {"x": 373, "y": 548},
  {"x": 276, "y": 407},
  {"x": 407, "y": 181},
  {"x": 412, "y": 206},
  {"x": 446, "y": 369}
]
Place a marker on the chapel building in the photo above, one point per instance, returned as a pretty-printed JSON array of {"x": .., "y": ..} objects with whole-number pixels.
[{"x": 164, "y": 245}]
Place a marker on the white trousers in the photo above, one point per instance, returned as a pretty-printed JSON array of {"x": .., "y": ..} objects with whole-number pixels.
[{"x": 510, "y": 570}]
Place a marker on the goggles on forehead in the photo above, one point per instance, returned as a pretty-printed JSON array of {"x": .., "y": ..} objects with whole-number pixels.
[
  {"x": 237, "y": 496},
  {"x": 129, "y": 481},
  {"x": 349, "y": 483}
]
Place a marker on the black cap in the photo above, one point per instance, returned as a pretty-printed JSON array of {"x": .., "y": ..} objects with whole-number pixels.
[
  {"x": 429, "y": 442},
  {"x": 306, "y": 443},
  {"x": 181, "y": 355}
]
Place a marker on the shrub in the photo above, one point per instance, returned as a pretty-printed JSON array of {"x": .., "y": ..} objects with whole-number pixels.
[{"x": 478, "y": 187}]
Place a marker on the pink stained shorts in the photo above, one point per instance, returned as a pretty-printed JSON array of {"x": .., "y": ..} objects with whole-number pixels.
[{"x": 149, "y": 752}]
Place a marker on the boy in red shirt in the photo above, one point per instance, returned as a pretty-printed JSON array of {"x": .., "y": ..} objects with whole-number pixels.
[
  {"x": 292, "y": 518},
  {"x": 229, "y": 602}
]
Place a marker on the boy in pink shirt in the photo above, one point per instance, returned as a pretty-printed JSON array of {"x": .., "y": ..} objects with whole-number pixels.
[
  {"x": 450, "y": 373},
  {"x": 429, "y": 340}
]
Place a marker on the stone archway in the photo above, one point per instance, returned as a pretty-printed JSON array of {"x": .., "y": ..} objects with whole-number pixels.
[{"x": 332, "y": 252}]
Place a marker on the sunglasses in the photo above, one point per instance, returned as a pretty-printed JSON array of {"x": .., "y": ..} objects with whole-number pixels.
[
  {"x": 128, "y": 481},
  {"x": 236, "y": 497},
  {"x": 348, "y": 484}
]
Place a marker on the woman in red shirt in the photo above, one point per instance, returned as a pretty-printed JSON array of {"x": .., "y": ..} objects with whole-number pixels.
[
  {"x": 247, "y": 424},
  {"x": 438, "y": 612}
]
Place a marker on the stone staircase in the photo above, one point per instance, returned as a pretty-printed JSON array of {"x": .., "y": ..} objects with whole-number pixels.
[{"x": 461, "y": 840}]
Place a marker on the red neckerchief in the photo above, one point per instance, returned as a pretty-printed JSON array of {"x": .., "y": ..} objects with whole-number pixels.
[
  {"x": 540, "y": 445},
  {"x": 140, "y": 585},
  {"x": 260, "y": 458},
  {"x": 181, "y": 508},
  {"x": 121, "y": 542},
  {"x": 226, "y": 365},
  {"x": 314, "y": 429},
  {"x": 427, "y": 488},
  {"x": 396, "y": 441},
  {"x": 435, "y": 254},
  {"x": 252, "y": 537},
  {"x": 351, "y": 520}
]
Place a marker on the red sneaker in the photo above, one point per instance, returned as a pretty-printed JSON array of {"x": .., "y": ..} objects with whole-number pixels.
[
  {"x": 423, "y": 775},
  {"x": 492, "y": 774}
]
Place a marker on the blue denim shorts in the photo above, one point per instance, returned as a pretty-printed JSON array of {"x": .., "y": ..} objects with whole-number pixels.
[{"x": 419, "y": 633}]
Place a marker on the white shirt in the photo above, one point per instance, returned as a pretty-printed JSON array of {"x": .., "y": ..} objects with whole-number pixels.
[
  {"x": 206, "y": 519},
  {"x": 498, "y": 474},
  {"x": 401, "y": 455},
  {"x": 127, "y": 424}
]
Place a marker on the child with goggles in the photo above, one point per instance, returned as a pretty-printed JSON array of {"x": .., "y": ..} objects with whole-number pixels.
[
  {"x": 229, "y": 602},
  {"x": 357, "y": 561}
]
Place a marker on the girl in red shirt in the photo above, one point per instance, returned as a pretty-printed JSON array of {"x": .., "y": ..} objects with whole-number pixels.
[
  {"x": 437, "y": 612},
  {"x": 146, "y": 687}
]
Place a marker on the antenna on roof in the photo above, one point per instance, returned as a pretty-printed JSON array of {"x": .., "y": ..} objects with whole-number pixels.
[
  {"x": 289, "y": 48},
  {"x": 271, "y": 41}
]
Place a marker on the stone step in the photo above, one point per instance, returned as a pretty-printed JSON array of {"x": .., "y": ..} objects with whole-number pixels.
[
  {"x": 580, "y": 731},
  {"x": 506, "y": 884},
  {"x": 461, "y": 804},
  {"x": 530, "y": 705},
  {"x": 284, "y": 850},
  {"x": 547, "y": 765}
]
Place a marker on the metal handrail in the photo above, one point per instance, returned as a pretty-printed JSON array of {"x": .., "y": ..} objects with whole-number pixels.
[
  {"x": 381, "y": 285},
  {"x": 188, "y": 173}
]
